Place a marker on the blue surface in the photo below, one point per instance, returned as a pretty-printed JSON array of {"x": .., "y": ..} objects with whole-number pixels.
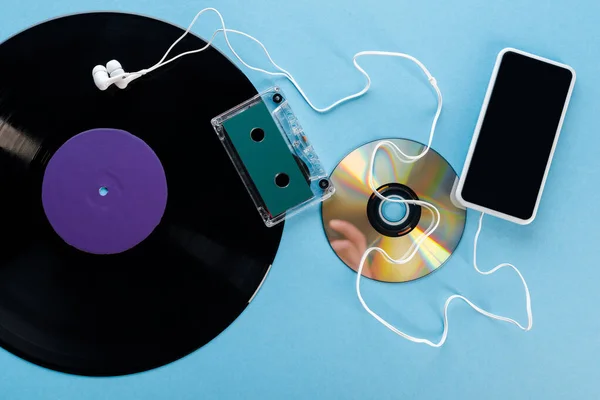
[{"x": 305, "y": 335}]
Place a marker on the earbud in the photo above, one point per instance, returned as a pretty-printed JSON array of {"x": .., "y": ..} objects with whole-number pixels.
[
  {"x": 115, "y": 69},
  {"x": 101, "y": 78},
  {"x": 113, "y": 73}
]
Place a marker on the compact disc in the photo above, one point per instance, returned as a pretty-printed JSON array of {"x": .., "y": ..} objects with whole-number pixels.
[
  {"x": 355, "y": 218},
  {"x": 128, "y": 239}
]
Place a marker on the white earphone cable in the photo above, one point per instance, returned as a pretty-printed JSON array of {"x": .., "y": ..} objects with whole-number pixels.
[
  {"x": 450, "y": 299},
  {"x": 411, "y": 252},
  {"x": 281, "y": 71}
]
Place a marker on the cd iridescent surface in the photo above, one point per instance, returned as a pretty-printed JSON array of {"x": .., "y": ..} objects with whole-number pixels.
[{"x": 355, "y": 219}]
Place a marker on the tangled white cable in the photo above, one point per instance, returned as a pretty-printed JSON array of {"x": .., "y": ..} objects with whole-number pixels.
[
  {"x": 114, "y": 74},
  {"x": 104, "y": 81},
  {"x": 450, "y": 299}
]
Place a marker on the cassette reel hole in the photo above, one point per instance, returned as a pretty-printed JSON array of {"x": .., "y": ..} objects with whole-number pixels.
[
  {"x": 103, "y": 191},
  {"x": 282, "y": 180},
  {"x": 257, "y": 134}
]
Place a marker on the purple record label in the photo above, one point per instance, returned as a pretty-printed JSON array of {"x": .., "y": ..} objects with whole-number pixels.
[{"x": 104, "y": 191}]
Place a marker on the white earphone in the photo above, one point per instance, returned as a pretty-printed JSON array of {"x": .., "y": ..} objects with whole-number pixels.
[{"x": 113, "y": 73}]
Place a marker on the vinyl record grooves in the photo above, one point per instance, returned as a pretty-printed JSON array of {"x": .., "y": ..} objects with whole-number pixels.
[
  {"x": 355, "y": 219},
  {"x": 120, "y": 307}
]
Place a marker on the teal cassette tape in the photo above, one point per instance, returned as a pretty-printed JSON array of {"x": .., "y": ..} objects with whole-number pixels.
[{"x": 273, "y": 156}]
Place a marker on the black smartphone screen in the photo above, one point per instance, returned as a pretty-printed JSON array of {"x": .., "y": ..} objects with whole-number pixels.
[{"x": 517, "y": 135}]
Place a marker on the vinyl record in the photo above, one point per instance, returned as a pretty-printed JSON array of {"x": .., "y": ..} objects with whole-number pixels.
[
  {"x": 128, "y": 239},
  {"x": 355, "y": 219}
]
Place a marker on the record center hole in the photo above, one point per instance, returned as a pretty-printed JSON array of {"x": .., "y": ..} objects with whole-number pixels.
[
  {"x": 392, "y": 211},
  {"x": 103, "y": 191},
  {"x": 257, "y": 134},
  {"x": 282, "y": 180}
]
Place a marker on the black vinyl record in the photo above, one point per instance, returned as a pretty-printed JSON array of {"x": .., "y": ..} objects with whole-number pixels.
[{"x": 109, "y": 313}]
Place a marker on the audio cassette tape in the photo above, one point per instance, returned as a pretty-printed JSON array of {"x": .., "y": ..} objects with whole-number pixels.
[{"x": 273, "y": 156}]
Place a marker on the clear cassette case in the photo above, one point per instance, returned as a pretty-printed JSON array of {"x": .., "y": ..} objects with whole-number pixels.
[{"x": 273, "y": 156}]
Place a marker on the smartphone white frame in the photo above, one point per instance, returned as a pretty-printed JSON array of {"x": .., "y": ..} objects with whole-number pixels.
[{"x": 478, "y": 128}]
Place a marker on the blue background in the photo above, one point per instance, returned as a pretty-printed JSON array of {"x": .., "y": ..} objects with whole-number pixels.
[{"x": 305, "y": 335}]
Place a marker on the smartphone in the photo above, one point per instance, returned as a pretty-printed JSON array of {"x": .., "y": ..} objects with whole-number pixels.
[{"x": 515, "y": 137}]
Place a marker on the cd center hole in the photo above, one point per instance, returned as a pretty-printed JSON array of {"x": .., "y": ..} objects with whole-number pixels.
[
  {"x": 103, "y": 191},
  {"x": 392, "y": 211}
]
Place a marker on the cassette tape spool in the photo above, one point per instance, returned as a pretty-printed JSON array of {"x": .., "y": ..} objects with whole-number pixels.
[{"x": 273, "y": 156}]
